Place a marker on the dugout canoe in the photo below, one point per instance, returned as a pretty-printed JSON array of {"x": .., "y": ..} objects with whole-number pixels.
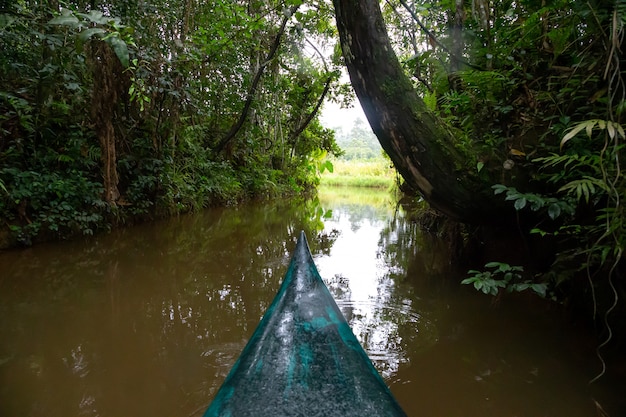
[{"x": 303, "y": 359}]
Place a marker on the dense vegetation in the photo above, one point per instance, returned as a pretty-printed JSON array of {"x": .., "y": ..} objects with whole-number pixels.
[
  {"x": 534, "y": 93},
  {"x": 116, "y": 110}
]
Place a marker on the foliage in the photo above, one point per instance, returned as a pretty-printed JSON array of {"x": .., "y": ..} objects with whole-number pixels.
[
  {"x": 589, "y": 182},
  {"x": 61, "y": 203},
  {"x": 538, "y": 91},
  {"x": 502, "y": 275},
  {"x": 359, "y": 143},
  {"x": 553, "y": 206},
  {"x": 96, "y": 25},
  {"x": 174, "y": 87}
]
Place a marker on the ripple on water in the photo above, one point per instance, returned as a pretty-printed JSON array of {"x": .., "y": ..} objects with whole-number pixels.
[{"x": 387, "y": 332}]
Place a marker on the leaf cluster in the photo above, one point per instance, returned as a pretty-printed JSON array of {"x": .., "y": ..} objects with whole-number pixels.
[
  {"x": 96, "y": 25},
  {"x": 499, "y": 275}
]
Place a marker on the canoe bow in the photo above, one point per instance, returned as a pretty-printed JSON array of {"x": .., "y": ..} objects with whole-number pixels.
[{"x": 303, "y": 359}]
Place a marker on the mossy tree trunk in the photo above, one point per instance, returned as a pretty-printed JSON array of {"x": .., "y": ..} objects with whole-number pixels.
[{"x": 420, "y": 146}]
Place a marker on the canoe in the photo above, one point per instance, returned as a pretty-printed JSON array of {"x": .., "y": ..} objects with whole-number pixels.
[{"x": 303, "y": 359}]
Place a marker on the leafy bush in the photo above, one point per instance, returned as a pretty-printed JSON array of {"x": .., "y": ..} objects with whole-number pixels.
[{"x": 55, "y": 203}]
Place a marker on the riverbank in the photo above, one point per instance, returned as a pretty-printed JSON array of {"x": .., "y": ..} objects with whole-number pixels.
[{"x": 40, "y": 226}]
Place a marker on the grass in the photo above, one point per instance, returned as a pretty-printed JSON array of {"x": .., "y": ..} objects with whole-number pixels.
[
  {"x": 373, "y": 174},
  {"x": 377, "y": 199}
]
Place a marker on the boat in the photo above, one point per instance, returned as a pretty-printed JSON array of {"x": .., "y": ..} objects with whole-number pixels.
[{"x": 303, "y": 359}]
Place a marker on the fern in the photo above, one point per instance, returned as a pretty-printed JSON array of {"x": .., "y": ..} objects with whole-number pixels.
[
  {"x": 613, "y": 129},
  {"x": 585, "y": 187}
]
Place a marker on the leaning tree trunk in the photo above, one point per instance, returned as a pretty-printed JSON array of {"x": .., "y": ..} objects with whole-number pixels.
[{"x": 421, "y": 148}]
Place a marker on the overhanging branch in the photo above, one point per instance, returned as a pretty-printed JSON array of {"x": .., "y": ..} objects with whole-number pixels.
[{"x": 236, "y": 127}]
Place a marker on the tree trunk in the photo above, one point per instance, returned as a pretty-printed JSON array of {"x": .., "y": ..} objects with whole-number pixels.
[
  {"x": 421, "y": 148},
  {"x": 456, "y": 61},
  {"x": 103, "y": 103}
]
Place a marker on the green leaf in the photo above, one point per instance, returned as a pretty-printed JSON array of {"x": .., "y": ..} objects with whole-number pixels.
[
  {"x": 589, "y": 129},
  {"x": 120, "y": 48},
  {"x": 499, "y": 284},
  {"x": 538, "y": 231},
  {"x": 87, "y": 34},
  {"x": 96, "y": 17},
  {"x": 499, "y": 189},
  {"x": 6, "y": 21},
  {"x": 520, "y": 203},
  {"x": 65, "y": 20},
  {"x": 519, "y": 286},
  {"x": 604, "y": 253},
  {"x": 576, "y": 129},
  {"x": 490, "y": 290},
  {"x": 539, "y": 289},
  {"x": 327, "y": 165},
  {"x": 611, "y": 129},
  {"x": 554, "y": 211},
  {"x": 585, "y": 187}
]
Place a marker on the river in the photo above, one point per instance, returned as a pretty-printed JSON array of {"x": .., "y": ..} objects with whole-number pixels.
[{"x": 147, "y": 321}]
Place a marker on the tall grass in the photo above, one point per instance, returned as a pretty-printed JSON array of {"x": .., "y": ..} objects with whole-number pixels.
[{"x": 375, "y": 174}]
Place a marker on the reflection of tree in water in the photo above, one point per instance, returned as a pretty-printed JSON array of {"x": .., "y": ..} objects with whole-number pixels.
[
  {"x": 323, "y": 242},
  {"x": 375, "y": 300},
  {"x": 386, "y": 324},
  {"x": 339, "y": 287},
  {"x": 399, "y": 243},
  {"x": 408, "y": 250}
]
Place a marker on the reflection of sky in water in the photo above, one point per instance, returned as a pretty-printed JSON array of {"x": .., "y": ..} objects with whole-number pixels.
[
  {"x": 360, "y": 281},
  {"x": 354, "y": 255}
]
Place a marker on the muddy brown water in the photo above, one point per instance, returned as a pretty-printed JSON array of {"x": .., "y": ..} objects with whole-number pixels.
[{"x": 147, "y": 321}]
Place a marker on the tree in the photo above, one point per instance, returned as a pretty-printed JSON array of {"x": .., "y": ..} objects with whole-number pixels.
[
  {"x": 524, "y": 98},
  {"x": 420, "y": 146},
  {"x": 359, "y": 143},
  {"x": 196, "y": 104}
]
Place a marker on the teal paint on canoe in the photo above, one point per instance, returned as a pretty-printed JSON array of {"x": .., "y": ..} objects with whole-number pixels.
[{"x": 303, "y": 359}]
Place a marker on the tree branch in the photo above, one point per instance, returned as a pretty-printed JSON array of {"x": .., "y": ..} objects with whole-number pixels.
[
  {"x": 433, "y": 38},
  {"x": 294, "y": 134},
  {"x": 236, "y": 127}
]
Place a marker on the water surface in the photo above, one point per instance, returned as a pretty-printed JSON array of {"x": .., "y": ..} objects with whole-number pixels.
[{"x": 147, "y": 321}]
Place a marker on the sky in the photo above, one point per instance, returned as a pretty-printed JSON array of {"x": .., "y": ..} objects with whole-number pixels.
[{"x": 333, "y": 115}]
